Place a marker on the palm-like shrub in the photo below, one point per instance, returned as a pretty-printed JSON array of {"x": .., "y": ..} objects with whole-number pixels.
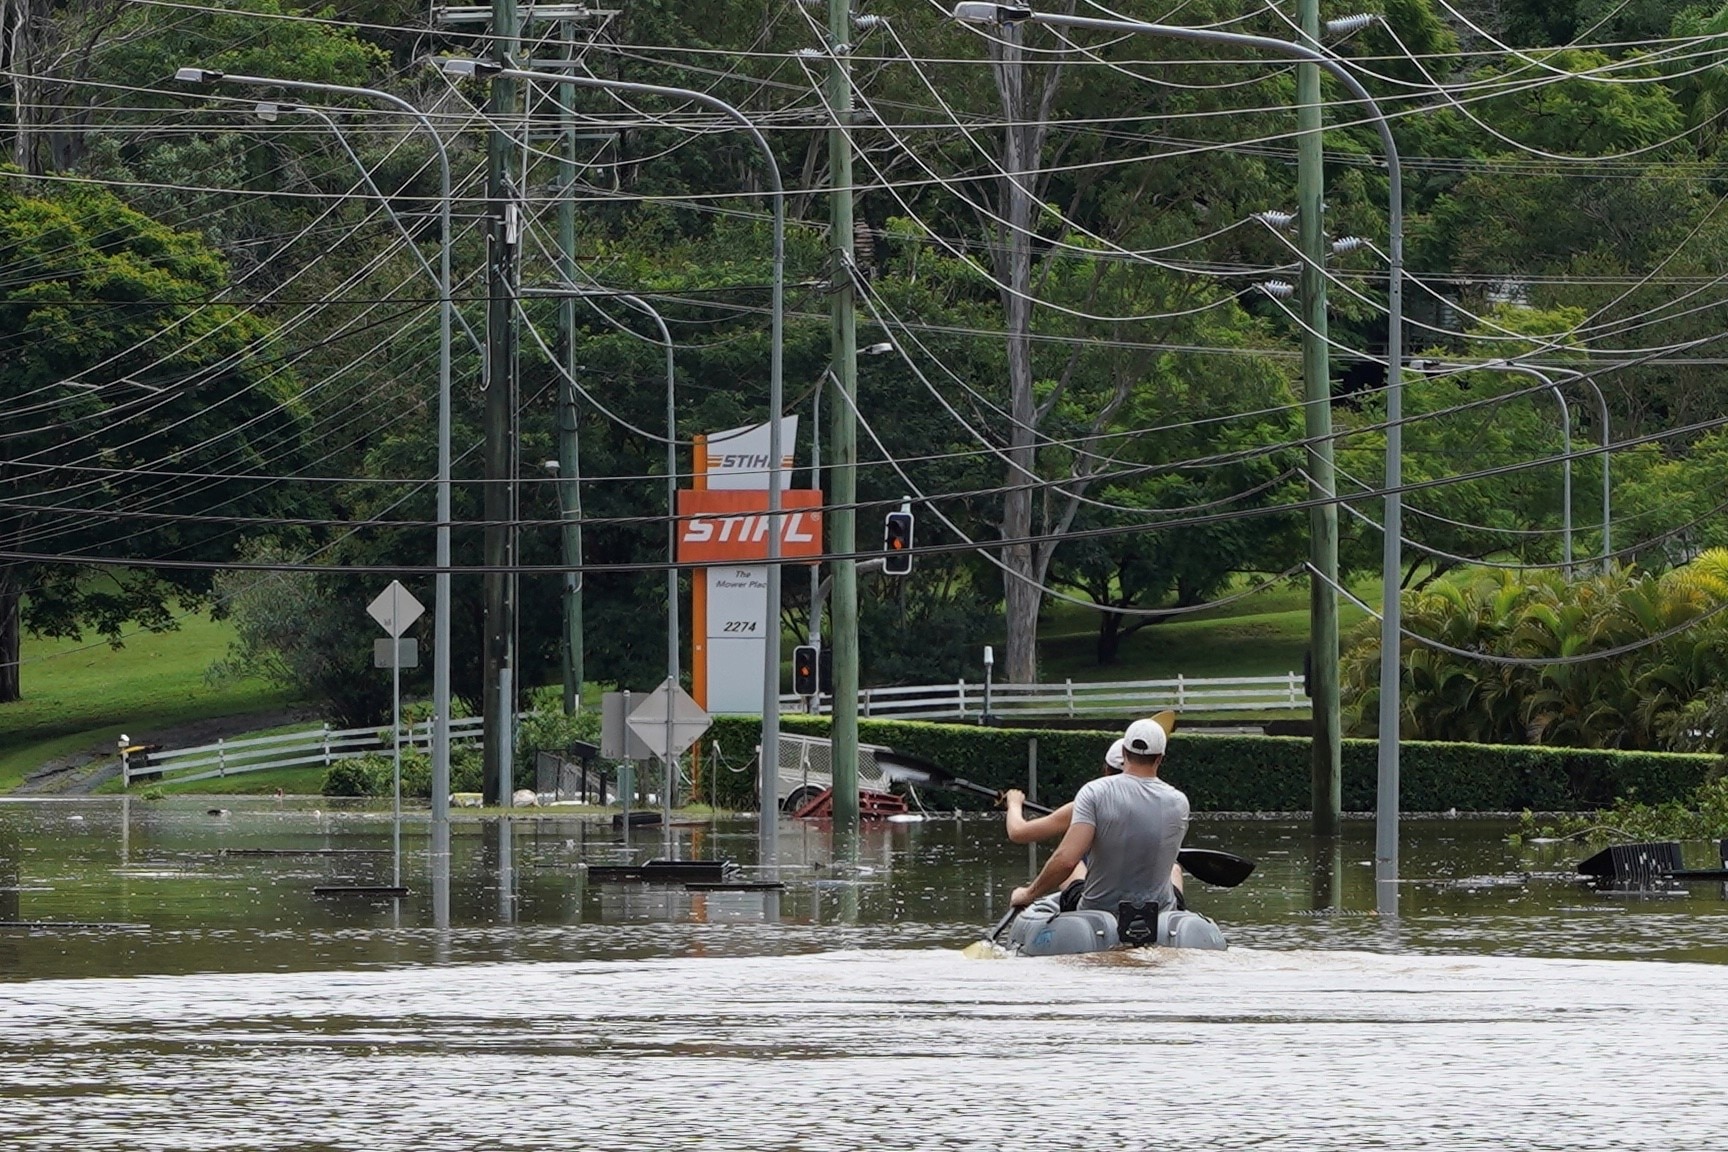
[{"x": 1663, "y": 656}]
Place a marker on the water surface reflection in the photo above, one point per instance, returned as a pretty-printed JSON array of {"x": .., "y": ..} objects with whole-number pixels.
[
  {"x": 234, "y": 885},
  {"x": 215, "y": 1000}
]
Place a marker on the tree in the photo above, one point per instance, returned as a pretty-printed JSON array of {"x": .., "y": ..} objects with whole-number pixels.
[
  {"x": 140, "y": 414},
  {"x": 294, "y": 630}
]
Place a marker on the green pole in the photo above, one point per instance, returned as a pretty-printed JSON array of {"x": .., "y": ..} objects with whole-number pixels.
[
  {"x": 1326, "y": 774},
  {"x": 500, "y": 627},
  {"x": 843, "y": 429}
]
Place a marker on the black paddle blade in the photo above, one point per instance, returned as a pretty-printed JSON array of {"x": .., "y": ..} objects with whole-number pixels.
[{"x": 1209, "y": 865}]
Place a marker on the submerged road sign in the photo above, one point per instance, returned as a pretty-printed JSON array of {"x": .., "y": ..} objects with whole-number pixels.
[{"x": 648, "y": 720}]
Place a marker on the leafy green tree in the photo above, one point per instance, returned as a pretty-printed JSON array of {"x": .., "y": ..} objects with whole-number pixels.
[
  {"x": 302, "y": 631},
  {"x": 1675, "y": 500},
  {"x": 139, "y": 414}
]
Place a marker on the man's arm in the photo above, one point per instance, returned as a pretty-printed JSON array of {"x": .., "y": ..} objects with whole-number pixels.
[
  {"x": 1024, "y": 831},
  {"x": 1075, "y": 844}
]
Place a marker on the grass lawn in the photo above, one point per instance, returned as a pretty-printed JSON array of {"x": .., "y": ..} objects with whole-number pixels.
[
  {"x": 83, "y": 694},
  {"x": 1264, "y": 634}
]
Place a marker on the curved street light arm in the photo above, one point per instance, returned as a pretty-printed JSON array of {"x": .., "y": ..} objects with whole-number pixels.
[
  {"x": 441, "y": 581},
  {"x": 769, "y": 759}
]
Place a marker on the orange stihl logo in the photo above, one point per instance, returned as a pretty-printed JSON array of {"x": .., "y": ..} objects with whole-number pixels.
[
  {"x": 728, "y": 526},
  {"x": 795, "y": 528}
]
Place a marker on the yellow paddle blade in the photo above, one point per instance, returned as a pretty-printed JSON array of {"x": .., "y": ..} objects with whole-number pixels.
[
  {"x": 1165, "y": 720},
  {"x": 982, "y": 950}
]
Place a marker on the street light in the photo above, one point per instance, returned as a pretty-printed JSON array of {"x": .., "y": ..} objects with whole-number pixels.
[
  {"x": 572, "y": 515},
  {"x": 272, "y": 111},
  {"x": 1566, "y": 463},
  {"x": 672, "y": 656},
  {"x": 768, "y": 762},
  {"x": 1391, "y": 618},
  {"x": 1575, "y": 376},
  {"x": 441, "y": 581},
  {"x": 1607, "y": 443}
]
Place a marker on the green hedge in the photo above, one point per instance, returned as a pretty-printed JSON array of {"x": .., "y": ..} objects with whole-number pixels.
[
  {"x": 1249, "y": 773},
  {"x": 375, "y": 774}
]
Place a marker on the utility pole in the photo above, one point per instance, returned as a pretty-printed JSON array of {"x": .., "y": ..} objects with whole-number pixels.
[
  {"x": 843, "y": 427},
  {"x": 1326, "y": 773},
  {"x": 503, "y": 230},
  {"x": 569, "y": 454},
  {"x": 570, "y": 516}
]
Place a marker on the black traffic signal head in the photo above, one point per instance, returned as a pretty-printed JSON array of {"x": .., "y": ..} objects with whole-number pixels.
[
  {"x": 804, "y": 670},
  {"x": 897, "y": 542}
]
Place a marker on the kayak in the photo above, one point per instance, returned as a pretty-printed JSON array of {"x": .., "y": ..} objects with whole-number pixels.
[{"x": 1044, "y": 930}]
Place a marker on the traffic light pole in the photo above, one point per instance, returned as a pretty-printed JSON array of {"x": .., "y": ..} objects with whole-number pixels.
[
  {"x": 498, "y": 418},
  {"x": 843, "y": 427}
]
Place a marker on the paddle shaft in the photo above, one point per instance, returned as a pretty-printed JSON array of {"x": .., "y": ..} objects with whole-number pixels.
[{"x": 964, "y": 785}]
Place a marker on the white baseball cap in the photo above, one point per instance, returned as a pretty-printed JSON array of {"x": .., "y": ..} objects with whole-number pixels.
[
  {"x": 1113, "y": 758},
  {"x": 1144, "y": 738}
]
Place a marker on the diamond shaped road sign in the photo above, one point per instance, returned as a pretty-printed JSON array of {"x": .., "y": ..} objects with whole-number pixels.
[
  {"x": 648, "y": 720},
  {"x": 395, "y": 608}
]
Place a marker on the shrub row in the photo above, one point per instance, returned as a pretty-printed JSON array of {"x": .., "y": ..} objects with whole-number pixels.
[
  {"x": 1249, "y": 773},
  {"x": 374, "y": 773},
  {"x": 545, "y": 727}
]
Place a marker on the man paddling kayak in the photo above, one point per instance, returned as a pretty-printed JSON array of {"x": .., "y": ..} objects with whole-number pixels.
[
  {"x": 1127, "y": 827},
  {"x": 1024, "y": 831}
]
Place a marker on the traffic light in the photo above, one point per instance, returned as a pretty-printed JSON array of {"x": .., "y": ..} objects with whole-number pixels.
[
  {"x": 897, "y": 542},
  {"x": 804, "y": 670},
  {"x": 825, "y": 671}
]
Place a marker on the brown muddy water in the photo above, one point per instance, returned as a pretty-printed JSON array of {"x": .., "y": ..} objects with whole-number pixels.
[{"x": 169, "y": 980}]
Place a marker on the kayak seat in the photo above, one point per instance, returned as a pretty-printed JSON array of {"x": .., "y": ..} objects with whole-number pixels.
[{"x": 1137, "y": 924}]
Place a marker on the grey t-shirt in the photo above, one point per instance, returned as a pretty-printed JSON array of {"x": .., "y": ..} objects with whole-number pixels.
[{"x": 1138, "y": 823}]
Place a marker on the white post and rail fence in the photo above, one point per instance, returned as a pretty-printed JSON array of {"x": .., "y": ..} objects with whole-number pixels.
[
  {"x": 1071, "y": 699},
  {"x": 959, "y": 701},
  {"x": 322, "y": 745}
]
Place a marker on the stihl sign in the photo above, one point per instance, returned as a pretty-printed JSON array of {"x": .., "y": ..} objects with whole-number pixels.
[
  {"x": 730, "y": 526},
  {"x": 740, "y": 462}
]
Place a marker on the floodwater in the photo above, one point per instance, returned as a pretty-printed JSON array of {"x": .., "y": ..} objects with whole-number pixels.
[{"x": 170, "y": 980}]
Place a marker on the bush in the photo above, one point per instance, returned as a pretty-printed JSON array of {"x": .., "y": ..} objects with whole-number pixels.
[
  {"x": 548, "y": 728},
  {"x": 371, "y": 774},
  {"x": 1703, "y": 815}
]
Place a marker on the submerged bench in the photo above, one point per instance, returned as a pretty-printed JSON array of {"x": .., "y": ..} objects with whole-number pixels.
[
  {"x": 1649, "y": 862},
  {"x": 665, "y": 872}
]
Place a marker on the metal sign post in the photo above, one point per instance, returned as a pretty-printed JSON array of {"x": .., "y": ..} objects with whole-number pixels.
[{"x": 396, "y": 609}]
